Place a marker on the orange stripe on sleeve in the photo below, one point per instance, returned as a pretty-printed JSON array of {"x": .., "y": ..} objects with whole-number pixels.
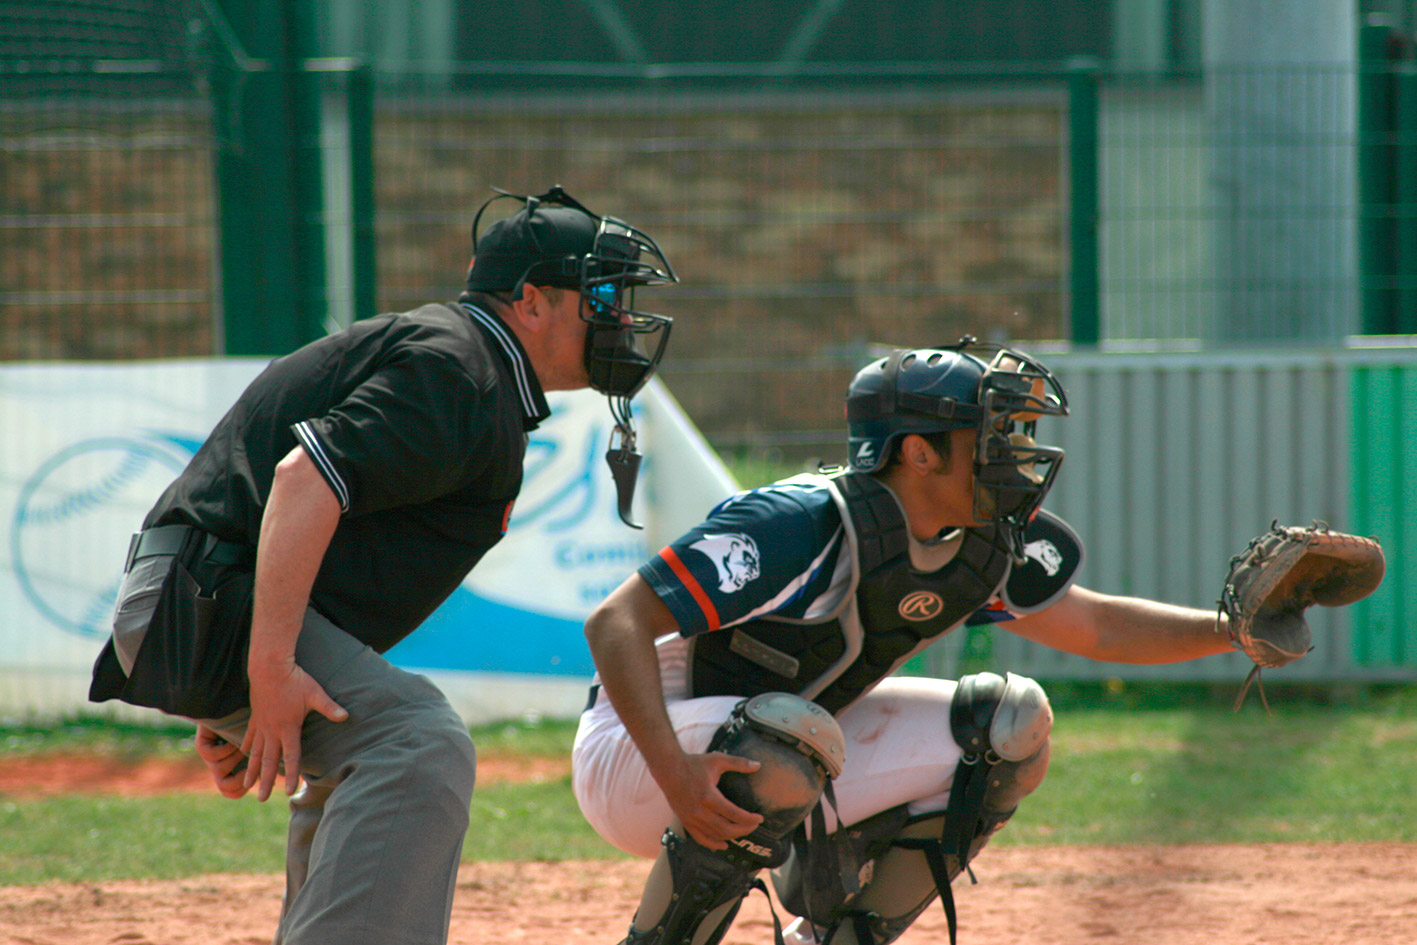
[{"x": 691, "y": 584}]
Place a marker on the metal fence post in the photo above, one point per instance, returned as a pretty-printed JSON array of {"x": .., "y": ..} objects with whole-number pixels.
[
  {"x": 305, "y": 158},
  {"x": 1084, "y": 304},
  {"x": 360, "y": 104},
  {"x": 1376, "y": 237},
  {"x": 268, "y": 182},
  {"x": 1405, "y": 198}
]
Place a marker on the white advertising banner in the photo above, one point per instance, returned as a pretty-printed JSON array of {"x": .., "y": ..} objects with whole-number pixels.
[{"x": 88, "y": 448}]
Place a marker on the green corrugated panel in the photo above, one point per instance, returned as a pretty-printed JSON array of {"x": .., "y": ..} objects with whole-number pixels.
[{"x": 1383, "y": 451}]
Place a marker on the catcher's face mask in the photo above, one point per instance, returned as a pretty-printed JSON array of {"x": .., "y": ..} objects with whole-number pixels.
[{"x": 1012, "y": 472}]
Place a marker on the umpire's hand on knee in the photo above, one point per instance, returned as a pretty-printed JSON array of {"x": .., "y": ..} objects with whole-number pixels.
[
  {"x": 224, "y": 760},
  {"x": 281, "y": 698}
]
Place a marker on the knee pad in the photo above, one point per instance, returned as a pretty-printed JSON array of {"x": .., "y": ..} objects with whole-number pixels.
[
  {"x": 899, "y": 863},
  {"x": 799, "y": 747},
  {"x": 1008, "y": 717},
  {"x": 1002, "y": 724},
  {"x": 693, "y": 892}
]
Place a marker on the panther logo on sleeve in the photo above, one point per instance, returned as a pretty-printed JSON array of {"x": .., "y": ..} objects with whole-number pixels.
[
  {"x": 734, "y": 556},
  {"x": 1046, "y": 554}
]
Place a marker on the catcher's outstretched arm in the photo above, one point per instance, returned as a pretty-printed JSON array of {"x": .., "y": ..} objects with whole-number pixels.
[{"x": 1114, "y": 629}]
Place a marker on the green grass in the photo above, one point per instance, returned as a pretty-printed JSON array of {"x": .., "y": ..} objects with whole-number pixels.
[
  {"x": 76, "y": 838},
  {"x": 754, "y": 469},
  {"x": 1205, "y": 775},
  {"x": 1170, "y": 768},
  {"x": 100, "y": 736}
]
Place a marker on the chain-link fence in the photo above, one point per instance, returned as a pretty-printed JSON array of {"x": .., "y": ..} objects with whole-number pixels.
[
  {"x": 811, "y": 215},
  {"x": 107, "y": 233},
  {"x": 803, "y": 231}
]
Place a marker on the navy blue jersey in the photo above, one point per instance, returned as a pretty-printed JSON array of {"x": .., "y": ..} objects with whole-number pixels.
[
  {"x": 773, "y": 550},
  {"x": 777, "y": 550}
]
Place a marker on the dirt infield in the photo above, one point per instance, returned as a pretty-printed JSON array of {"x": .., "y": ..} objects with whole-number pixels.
[
  {"x": 1349, "y": 894},
  {"x": 1362, "y": 894},
  {"x": 63, "y": 773}
]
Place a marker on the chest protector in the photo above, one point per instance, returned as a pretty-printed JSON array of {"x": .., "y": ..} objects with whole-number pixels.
[{"x": 891, "y": 612}]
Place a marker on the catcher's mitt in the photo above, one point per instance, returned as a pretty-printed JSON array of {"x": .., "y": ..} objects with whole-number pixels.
[{"x": 1281, "y": 574}]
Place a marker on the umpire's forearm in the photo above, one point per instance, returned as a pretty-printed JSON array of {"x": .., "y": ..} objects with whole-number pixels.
[{"x": 300, "y": 518}]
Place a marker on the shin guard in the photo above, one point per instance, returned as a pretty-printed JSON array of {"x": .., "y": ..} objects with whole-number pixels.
[{"x": 693, "y": 892}]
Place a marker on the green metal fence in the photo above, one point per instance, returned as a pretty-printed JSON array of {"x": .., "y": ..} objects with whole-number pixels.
[
  {"x": 222, "y": 203},
  {"x": 198, "y": 158},
  {"x": 203, "y": 187}
]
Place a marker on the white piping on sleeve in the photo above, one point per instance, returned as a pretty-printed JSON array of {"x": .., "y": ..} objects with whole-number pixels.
[{"x": 315, "y": 449}]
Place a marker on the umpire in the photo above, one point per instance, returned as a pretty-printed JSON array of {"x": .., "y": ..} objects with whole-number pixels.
[{"x": 344, "y": 496}]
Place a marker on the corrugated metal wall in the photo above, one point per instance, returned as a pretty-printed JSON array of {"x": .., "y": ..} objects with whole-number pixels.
[
  {"x": 1384, "y": 451},
  {"x": 1175, "y": 461}
]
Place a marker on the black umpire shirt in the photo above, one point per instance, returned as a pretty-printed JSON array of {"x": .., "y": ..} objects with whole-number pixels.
[{"x": 418, "y": 421}]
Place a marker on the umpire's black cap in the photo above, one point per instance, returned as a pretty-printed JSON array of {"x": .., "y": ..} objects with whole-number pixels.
[{"x": 541, "y": 244}]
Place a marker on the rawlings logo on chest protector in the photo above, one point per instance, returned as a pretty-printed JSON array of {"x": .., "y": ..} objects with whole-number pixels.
[{"x": 920, "y": 605}]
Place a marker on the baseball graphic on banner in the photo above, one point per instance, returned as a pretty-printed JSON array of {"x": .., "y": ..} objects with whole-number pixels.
[{"x": 67, "y": 514}]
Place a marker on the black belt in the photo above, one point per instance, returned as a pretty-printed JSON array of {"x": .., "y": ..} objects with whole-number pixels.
[{"x": 169, "y": 539}]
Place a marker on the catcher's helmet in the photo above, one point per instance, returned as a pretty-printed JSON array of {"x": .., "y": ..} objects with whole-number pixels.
[{"x": 929, "y": 390}]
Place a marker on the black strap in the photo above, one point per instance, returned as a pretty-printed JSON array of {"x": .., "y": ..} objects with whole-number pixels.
[
  {"x": 821, "y": 846},
  {"x": 761, "y": 887},
  {"x": 173, "y": 539},
  {"x": 164, "y": 540},
  {"x": 961, "y": 824},
  {"x": 861, "y": 921},
  {"x": 965, "y": 809},
  {"x": 939, "y": 870}
]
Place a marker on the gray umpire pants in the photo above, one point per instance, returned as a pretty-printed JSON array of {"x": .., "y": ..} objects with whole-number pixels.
[{"x": 376, "y": 833}]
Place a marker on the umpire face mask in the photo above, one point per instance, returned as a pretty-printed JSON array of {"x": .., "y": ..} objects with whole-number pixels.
[
  {"x": 556, "y": 241},
  {"x": 618, "y": 366},
  {"x": 622, "y": 347}
]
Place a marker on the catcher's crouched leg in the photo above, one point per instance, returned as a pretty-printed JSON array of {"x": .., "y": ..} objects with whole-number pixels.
[
  {"x": 901, "y": 861},
  {"x": 693, "y": 892}
]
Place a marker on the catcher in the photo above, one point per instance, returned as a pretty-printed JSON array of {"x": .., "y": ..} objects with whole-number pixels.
[{"x": 745, "y": 717}]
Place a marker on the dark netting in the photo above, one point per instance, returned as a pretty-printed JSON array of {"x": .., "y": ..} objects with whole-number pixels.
[{"x": 106, "y": 220}]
